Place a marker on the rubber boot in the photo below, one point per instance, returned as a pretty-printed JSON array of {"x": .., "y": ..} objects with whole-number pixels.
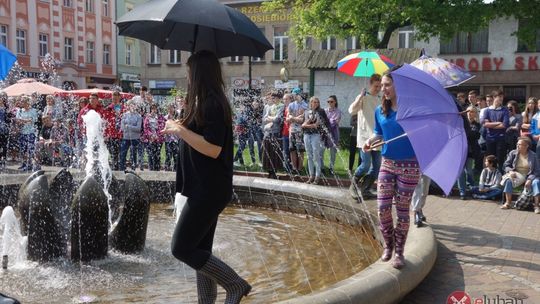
[
  {"x": 206, "y": 289},
  {"x": 226, "y": 277}
]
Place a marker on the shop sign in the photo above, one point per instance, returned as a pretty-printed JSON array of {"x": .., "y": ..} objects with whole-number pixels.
[
  {"x": 242, "y": 82},
  {"x": 162, "y": 84},
  {"x": 487, "y": 63},
  {"x": 258, "y": 14},
  {"x": 129, "y": 77},
  {"x": 291, "y": 84}
]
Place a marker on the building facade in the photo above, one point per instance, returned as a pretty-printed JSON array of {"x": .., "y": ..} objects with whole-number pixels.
[
  {"x": 128, "y": 52},
  {"x": 78, "y": 34},
  {"x": 497, "y": 58}
]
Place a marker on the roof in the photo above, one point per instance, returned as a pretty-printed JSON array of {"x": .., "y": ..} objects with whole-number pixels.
[{"x": 328, "y": 59}]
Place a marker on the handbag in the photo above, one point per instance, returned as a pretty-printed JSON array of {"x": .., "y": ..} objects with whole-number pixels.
[
  {"x": 525, "y": 200},
  {"x": 516, "y": 181}
]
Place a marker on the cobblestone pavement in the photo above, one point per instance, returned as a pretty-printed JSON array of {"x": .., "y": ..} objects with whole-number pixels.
[{"x": 489, "y": 253}]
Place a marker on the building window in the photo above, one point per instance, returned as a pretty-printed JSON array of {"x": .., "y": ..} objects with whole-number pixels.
[
  {"x": 406, "y": 37},
  {"x": 21, "y": 41},
  {"x": 68, "y": 3},
  {"x": 466, "y": 43},
  {"x": 90, "y": 52},
  {"x": 105, "y": 7},
  {"x": 4, "y": 35},
  {"x": 351, "y": 43},
  {"x": 155, "y": 54},
  {"x": 174, "y": 57},
  {"x": 281, "y": 43},
  {"x": 328, "y": 44},
  {"x": 128, "y": 53},
  {"x": 262, "y": 29},
  {"x": 89, "y": 6},
  {"x": 106, "y": 54},
  {"x": 43, "y": 44},
  {"x": 523, "y": 46},
  {"x": 237, "y": 58},
  {"x": 68, "y": 49}
]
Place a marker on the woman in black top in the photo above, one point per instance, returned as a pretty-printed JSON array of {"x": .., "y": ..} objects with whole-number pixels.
[{"x": 204, "y": 176}]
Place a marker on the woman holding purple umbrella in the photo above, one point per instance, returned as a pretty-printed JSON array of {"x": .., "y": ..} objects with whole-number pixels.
[{"x": 398, "y": 175}]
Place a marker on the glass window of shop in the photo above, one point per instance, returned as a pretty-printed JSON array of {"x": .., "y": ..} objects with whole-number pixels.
[
  {"x": 155, "y": 54},
  {"x": 467, "y": 43},
  {"x": 106, "y": 54},
  {"x": 21, "y": 41},
  {"x": 68, "y": 49},
  {"x": 43, "y": 44},
  {"x": 174, "y": 57},
  {"x": 281, "y": 43}
]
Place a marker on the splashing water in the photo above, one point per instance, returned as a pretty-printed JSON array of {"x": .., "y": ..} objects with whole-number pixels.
[
  {"x": 13, "y": 244},
  {"x": 97, "y": 154}
]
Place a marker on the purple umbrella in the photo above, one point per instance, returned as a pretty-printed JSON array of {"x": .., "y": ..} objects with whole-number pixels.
[{"x": 430, "y": 118}]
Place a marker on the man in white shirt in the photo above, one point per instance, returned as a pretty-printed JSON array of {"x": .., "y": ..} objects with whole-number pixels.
[{"x": 365, "y": 105}]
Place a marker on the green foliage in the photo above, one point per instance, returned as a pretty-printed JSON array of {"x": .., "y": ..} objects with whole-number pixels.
[
  {"x": 365, "y": 18},
  {"x": 177, "y": 92}
]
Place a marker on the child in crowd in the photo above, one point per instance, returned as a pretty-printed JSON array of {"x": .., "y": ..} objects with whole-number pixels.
[{"x": 490, "y": 178}]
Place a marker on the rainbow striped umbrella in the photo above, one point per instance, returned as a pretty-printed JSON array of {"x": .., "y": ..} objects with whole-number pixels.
[{"x": 364, "y": 64}]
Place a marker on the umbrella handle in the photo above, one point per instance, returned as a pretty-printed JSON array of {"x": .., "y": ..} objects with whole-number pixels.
[{"x": 380, "y": 142}]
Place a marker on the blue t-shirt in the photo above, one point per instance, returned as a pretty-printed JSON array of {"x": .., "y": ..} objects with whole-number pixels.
[{"x": 388, "y": 128}]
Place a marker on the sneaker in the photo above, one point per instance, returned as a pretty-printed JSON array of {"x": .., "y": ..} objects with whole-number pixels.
[
  {"x": 22, "y": 167},
  {"x": 310, "y": 180},
  {"x": 537, "y": 210},
  {"x": 316, "y": 181}
]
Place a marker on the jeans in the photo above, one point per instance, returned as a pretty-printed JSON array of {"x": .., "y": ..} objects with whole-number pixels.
[
  {"x": 420, "y": 193},
  {"x": 467, "y": 176},
  {"x": 256, "y": 134},
  {"x": 133, "y": 145},
  {"x": 370, "y": 165},
  {"x": 286, "y": 153},
  {"x": 140, "y": 152},
  {"x": 509, "y": 188},
  {"x": 491, "y": 193},
  {"x": 242, "y": 141},
  {"x": 313, "y": 144}
]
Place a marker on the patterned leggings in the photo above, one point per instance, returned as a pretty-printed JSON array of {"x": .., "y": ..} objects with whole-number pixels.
[{"x": 397, "y": 180}]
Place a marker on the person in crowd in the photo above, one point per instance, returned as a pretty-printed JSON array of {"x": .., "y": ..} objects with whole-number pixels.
[
  {"x": 43, "y": 149},
  {"x": 515, "y": 120},
  {"x": 131, "y": 135},
  {"x": 14, "y": 106},
  {"x": 312, "y": 139},
  {"x": 113, "y": 130},
  {"x": 472, "y": 129},
  {"x": 255, "y": 112},
  {"x": 353, "y": 144},
  {"x": 295, "y": 117},
  {"x": 171, "y": 142},
  {"x": 287, "y": 99},
  {"x": 332, "y": 140},
  {"x": 51, "y": 111},
  {"x": 5, "y": 121},
  {"x": 478, "y": 160},
  {"x": 527, "y": 116},
  {"x": 153, "y": 122},
  {"x": 272, "y": 159},
  {"x": 241, "y": 128},
  {"x": 496, "y": 122},
  {"x": 62, "y": 152},
  {"x": 395, "y": 184},
  {"x": 520, "y": 166},
  {"x": 364, "y": 106},
  {"x": 418, "y": 200},
  {"x": 472, "y": 99},
  {"x": 462, "y": 100},
  {"x": 206, "y": 163},
  {"x": 26, "y": 119},
  {"x": 490, "y": 178}
]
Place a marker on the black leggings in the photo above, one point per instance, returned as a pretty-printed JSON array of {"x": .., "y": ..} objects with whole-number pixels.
[{"x": 194, "y": 233}]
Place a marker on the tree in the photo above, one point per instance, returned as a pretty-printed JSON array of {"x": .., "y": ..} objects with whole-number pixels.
[{"x": 364, "y": 19}]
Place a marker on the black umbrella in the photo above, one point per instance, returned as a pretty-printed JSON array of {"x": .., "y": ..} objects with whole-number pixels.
[{"x": 194, "y": 25}]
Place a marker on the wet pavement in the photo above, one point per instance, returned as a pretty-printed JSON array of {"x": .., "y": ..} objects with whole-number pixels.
[{"x": 491, "y": 254}]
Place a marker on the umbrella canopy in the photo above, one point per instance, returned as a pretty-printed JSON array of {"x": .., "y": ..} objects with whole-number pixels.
[
  {"x": 194, "y": 25},
  {"x": 7, "y": 59},
  {"x": 27, "y": 86},
  {"x": 364, "y": 64},
  {"x": 429, "y": 117},
  {"x": 103, "y": 94},
  {"x": 446, "y": 73}
]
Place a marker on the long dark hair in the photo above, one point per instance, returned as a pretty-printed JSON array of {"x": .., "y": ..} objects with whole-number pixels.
[
  {"x": 205, "y": 79},
  {"x": 387, "y": 103}
]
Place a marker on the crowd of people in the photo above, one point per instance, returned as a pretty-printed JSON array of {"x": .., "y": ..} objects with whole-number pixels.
[{"x": 36, "y": 132}]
